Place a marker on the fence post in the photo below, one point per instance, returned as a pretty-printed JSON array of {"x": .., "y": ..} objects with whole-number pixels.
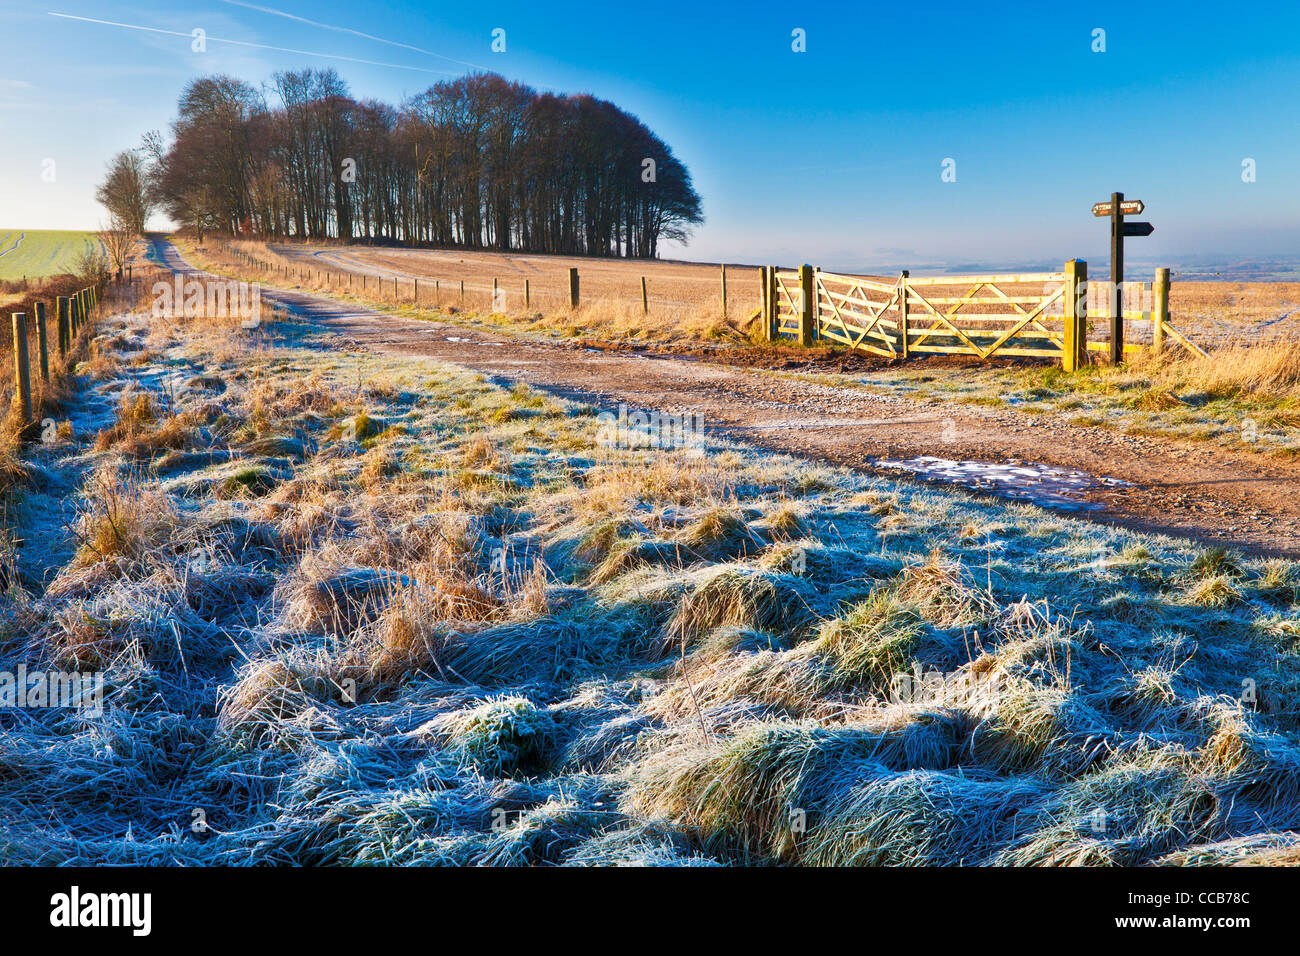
[
  {"x": 462, "y": 293},
  {"x": 22, "y": 370},
  {"x": 807, "y": 314},
  {"x": 904, "y": 316},
  {"x": 645, "y": 298},
  {"x": 494, "y": 293},
  {"x": 1159, "y": 309},
  {"x": 42, "y": 343},
  {"x": 573, "y": 287},
  {"x": 724, "y": 290},
  {"x": 762, "y": 304},
  {"x": 415, "y": 295},
  {"x": 63, "y": 305},
  {"x": 528, "y": 299},
  {"x": 1075, "y": 353}
]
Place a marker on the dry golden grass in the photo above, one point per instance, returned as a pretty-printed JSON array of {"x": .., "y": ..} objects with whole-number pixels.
[
  {"x": 141, "y": 427},
  {"x": 1263, "y": 371},
  {"x": 123, "y": 520},
  {"x": 684, "y": 299}
]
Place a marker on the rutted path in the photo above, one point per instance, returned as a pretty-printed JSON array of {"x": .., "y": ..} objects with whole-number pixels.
[{"x": 1239, "y": 499}]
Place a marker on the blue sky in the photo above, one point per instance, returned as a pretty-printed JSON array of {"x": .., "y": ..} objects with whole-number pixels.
[{"x": 832, "y": 156}]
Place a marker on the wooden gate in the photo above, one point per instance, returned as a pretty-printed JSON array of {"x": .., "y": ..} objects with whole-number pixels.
[{"x": 1038, "y": 314}]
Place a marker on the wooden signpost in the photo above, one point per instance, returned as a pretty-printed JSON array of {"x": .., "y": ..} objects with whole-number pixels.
[{"x": 1116, "y": 210}]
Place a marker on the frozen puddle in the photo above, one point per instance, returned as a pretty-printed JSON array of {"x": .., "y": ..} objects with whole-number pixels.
[{"x": 1040, "y": 484}]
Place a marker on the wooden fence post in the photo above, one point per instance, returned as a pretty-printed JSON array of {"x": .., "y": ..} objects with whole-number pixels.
[
  {"x": 724, "y": 290},
  {"x": 1159, "y": 309},
  {"x": 42, "y": 343},
  {"x": 573, "y": 287},
  {"x": 763, "y": 315},
  {"x": 494, "y": 293},
  {"x": 22, "y": 370},
  {"x": 807, "y": 315},
  {"x": 528, "y": 299},
  {"x": 904, "y": 316},
  {"x": 462, "y": 293},
  {"x": 1074, "y": 355},
  {"x": 415, "y": 295},
  {"x": 63, "y": 305},
  {"x": 645, "y": 298}
]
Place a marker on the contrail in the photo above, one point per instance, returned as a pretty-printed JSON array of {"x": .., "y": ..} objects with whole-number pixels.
[
  {"x": 256, "y": 46},
  {"x": 356, "y": 33}
]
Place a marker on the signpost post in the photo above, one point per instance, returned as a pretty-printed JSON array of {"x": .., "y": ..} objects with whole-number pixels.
[{"x": 1116, "y": 210}]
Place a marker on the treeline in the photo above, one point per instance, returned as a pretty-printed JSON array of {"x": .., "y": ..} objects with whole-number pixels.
[{"x": 479, "y": 162}]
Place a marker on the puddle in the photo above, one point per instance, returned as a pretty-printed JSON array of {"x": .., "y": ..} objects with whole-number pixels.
[{"x": 1037, "y": 483}]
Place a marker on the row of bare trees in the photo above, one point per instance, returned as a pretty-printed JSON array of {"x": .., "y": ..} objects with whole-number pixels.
[{"x": 479, "y": 162}]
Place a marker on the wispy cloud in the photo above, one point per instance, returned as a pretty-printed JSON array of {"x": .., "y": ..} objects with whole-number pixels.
[
  {"x": 250, "y": 44},
  {"x": 356, "y": 33}
]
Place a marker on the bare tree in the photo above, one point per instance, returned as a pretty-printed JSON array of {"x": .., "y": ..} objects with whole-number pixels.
[
  {"x": 125, "y": 194},
  {"x": 117, "y": 238}
]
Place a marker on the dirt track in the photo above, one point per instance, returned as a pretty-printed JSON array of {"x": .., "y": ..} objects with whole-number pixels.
[{"x": 1237, "y": 499}]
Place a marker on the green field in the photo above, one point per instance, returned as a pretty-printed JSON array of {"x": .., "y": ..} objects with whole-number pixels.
[{"x": 35, "y": 253}]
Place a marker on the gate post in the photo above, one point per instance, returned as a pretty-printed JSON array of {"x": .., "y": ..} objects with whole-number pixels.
[
  {"x": 807, "y": 305},
  {"x": 903, "y": 318},
  {"x": 1159, "y": 309},
  {"x": 762, "y": 296},
  {"x": 1074, "y": 355}
]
